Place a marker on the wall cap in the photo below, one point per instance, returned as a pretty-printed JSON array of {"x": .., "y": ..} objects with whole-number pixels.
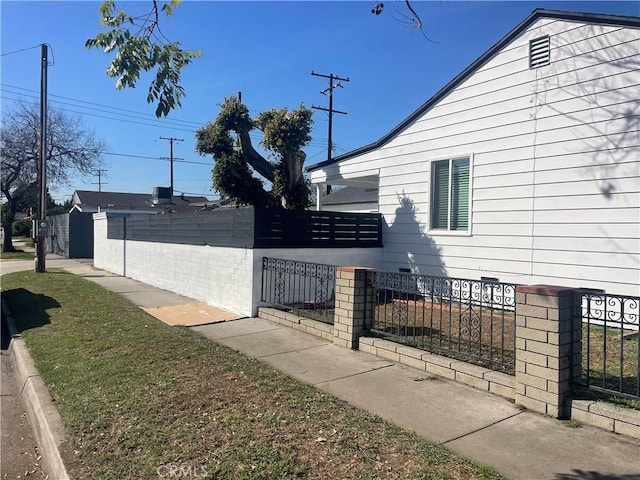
[
  {"x": 547, "y": 290},
  {"x": 353, "y": 269}
]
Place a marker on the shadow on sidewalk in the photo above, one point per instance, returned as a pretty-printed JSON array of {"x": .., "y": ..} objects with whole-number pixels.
[
  {"x": 583, "y": 475},
  {"x": 29, "y": 310}
]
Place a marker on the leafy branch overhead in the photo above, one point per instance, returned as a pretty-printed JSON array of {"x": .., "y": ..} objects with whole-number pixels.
[
  {"x": 143, "y": 50},
  {"x": 285, "y": 133}
]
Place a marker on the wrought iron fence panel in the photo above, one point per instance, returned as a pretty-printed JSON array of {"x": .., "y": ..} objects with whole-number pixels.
[
  {"x": 469, "y": 319},
  {"x": 307, "y": 289},
  {"x": 610, "y": 343}
]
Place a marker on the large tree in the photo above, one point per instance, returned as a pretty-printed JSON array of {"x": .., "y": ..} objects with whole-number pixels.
[
  {"x": 285, "y": 133},
  {"x": 71, "y": 150}
]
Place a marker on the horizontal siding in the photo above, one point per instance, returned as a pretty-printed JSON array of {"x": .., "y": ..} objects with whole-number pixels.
[
  {"x": 615, "y": 260},
  {"x": 555, "y": 166},
  {"x": 626, "y": 246}
]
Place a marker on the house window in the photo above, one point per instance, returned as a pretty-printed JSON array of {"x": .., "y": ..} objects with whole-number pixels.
[
  {"x": 539, "y": 52},
  {"x": 450, "y": 194}
]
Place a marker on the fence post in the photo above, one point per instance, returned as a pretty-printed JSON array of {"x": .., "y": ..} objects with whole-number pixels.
[
  {"x": 354, "y": 304},
  {"x": 548, "y": 348}
]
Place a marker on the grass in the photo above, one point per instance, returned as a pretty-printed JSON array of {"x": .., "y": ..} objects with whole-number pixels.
[
  {"x": 610, "y": 360},
  {"x": 482, "y": 336},
  {"x": 17, "y": 255},
  {"x": 137, "y": 396}
]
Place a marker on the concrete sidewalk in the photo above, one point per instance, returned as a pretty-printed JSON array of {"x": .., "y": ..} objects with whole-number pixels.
[
  {"x": 481, "y": 426},
  {"x": 474, "y": 423}
]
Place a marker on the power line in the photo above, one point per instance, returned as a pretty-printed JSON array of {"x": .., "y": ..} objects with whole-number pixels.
[
  {"x": 177, "y": 124},
  {"x": 151, "y": 116},
  {"x": 21, "y": 50},
  {"x": 104, "y": 116},
  {"x": 155, "y": 158}
]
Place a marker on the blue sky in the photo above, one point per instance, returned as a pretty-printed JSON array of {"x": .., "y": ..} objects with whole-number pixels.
[{"x": 267, "y": 51}]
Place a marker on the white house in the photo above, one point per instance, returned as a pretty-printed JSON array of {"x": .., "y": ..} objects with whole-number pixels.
[{"x": 525, "y": 167}]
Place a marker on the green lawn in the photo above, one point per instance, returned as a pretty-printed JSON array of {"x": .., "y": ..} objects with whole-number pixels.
[
  {"x": 610, "y": 360},
  {"x": 17, "y": 255},
  {"x": 136, "y": 395},
  {"x": 482, "y": 336}
]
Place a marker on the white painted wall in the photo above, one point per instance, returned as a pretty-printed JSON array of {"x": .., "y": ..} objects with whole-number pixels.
[
  {"x": 555, "y": 166},
  {"x": 108, "y": 254},
  {"x": 225, "y": 277},
  {"x": 364, "y": 207}
]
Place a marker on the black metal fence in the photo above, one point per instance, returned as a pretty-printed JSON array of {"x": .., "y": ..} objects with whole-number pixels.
[
  {"x": 610, "y": 343},
  {"x": 307, "y": 289},
  {"x": 469, "y": 319}
]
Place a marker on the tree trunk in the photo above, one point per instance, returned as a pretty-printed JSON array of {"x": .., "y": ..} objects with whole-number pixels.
[
  {"x": 7, "y": 228},
  {"x": 253, "y": 158}
]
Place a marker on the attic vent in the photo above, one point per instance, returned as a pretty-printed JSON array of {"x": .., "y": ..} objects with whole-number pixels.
[{"x": 539, "y": 52}]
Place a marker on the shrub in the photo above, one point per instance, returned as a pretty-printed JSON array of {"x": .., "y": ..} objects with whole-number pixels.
[{"x": 22, "y": 228}]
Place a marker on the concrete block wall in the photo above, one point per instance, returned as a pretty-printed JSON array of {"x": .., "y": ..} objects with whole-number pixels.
[
  {"x": 291, "y": 320},
  {"x": 108, "y": 254},
  {"x": 220, "y": 276},
  {"x": 226, "y": 277},
  {"x": 354, "y": 305},
  {"x": 202, "y": 272},
  {"x": 544, "y": 354},
  {"x": 548, "y": 349},
  {"x": 607, "y": 416},
  {"x": 482, "y": 378}
]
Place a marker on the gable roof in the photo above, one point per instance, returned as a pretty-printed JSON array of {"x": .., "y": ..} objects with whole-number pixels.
[
  {"x": 594, "y": 18},
  {"x": 89, "y": 200}
]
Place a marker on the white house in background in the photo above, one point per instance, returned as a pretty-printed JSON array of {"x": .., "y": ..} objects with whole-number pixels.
[{"x": 525, "y": 167}]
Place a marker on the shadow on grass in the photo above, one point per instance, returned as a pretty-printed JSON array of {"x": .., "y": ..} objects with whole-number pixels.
[
  {"x": 584, "y": 475},
  {"x": 29, "y": 310}
]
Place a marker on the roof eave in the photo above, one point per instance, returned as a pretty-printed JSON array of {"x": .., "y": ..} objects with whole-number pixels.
[{"x": 479, "y": 62}]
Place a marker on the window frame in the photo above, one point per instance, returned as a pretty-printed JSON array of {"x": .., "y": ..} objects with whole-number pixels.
[{"x": 432, "y": 192}]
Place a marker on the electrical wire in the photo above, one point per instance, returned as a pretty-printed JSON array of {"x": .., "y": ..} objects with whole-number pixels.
[
  {"x": 178, "y": 124},
  {"x": 143, "y": 114},
  {"x": 21, "y": 50},
  {"x": 156, "y": 158}
]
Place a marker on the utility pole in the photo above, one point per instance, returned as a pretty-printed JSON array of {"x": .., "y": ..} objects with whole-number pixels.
[
  {"x": 99, "y": 183},
  {"x": 41, "y": 227},
  {"x": 171, "y": 140},
  {"x": 331, "y": 77}
]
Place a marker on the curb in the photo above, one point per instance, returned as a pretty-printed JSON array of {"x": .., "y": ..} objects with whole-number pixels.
[{"x": 43, "y": 415}]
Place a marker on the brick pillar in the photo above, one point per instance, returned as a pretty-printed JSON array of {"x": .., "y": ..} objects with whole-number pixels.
[
  {"x": 354, "y": 304},
  {"x": 547, "y": 335}
]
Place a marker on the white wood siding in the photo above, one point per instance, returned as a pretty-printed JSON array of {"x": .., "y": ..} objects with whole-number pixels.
[{"x": 555, "y": 161}]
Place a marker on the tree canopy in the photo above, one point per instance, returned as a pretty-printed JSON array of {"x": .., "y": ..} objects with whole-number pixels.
[
  {"x": 145, "y": 50},
  {"x": 71, "y": 150},
  {"x": 285, "y": 133}
]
